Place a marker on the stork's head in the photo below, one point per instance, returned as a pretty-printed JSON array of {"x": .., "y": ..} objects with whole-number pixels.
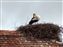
[{"x": 34, "y": 15}]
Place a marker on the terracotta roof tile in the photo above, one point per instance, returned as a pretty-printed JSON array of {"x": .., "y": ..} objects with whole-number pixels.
[{"x": 13, "y": 39}]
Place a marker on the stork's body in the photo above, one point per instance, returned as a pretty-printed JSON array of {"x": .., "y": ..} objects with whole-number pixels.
[{"x": 35, "y": 18}]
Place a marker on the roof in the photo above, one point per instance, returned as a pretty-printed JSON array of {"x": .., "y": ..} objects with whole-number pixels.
[{"x": 15, "y": 39}]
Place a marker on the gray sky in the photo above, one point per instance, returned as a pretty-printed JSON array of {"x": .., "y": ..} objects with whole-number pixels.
[
  {"x": 0, "y": 8},
  {"x": 15, "y": 14},
  {"x": 0, "y": 14},
  {"x": 32, "y": 0},
  {"x": 62, "y": 14}
]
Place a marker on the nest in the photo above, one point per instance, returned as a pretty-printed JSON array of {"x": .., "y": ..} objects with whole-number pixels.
[{"x": 45, "y": 31}]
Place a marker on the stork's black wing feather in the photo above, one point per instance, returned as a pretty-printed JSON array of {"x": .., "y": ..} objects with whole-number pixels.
[{"x": 32, "y": 21}]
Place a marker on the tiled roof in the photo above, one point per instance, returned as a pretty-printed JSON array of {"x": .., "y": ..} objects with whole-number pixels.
[{"x": 15, "y": 39}]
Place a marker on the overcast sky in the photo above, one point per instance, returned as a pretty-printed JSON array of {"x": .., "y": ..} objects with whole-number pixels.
[
  {"x": 15, "y": 14},
  {"x": 32, "y": 0},
  {"x": 62, "y": 14}
]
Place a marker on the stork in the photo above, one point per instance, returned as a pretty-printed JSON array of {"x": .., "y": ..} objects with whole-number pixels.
[{"x": 34, "y": 19}]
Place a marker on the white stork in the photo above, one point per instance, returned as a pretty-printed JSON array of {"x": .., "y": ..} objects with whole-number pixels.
[{"x": 35, "y": 18}]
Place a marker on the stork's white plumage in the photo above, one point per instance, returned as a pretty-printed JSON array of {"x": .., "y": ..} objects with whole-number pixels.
[{"x": 35, "y": 18}]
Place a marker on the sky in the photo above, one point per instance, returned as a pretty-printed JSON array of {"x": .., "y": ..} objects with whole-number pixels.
[
  {"x": 62, "y": 14},
  {"x": 32, "y": 0},
  {"x": 15, "y": 14}
]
